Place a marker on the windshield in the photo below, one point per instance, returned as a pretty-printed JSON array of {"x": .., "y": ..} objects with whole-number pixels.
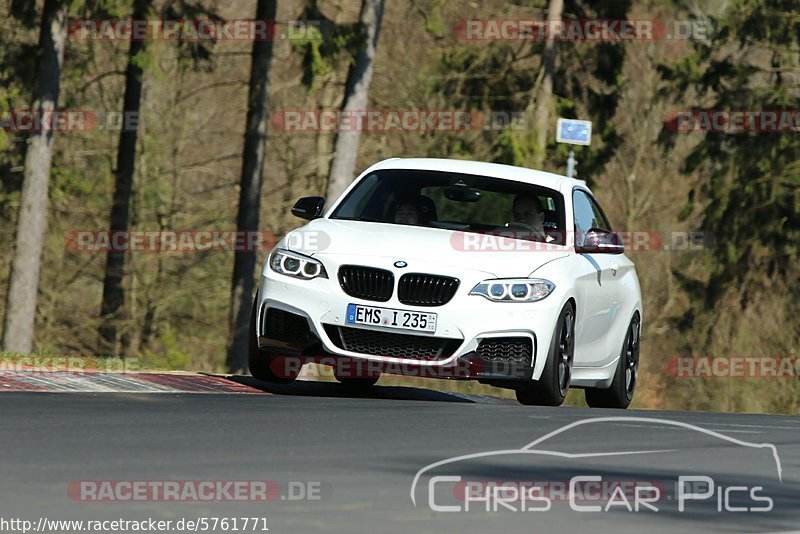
[{"x": 461, "y": 202}]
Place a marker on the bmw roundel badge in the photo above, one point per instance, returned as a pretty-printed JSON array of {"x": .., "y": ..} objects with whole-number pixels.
[{"x": 400, "y": 264}]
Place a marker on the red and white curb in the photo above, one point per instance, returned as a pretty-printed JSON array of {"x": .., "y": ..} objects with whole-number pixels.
[
  {"x": 65, "y": 382},
  {"x": 180, "y": 382}
]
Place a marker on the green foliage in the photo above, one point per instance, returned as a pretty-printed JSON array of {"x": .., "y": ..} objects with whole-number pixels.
[
  {"x": 504, "y": 77},
  {"x": 324, "y": 52},
  {"x": 195, "y": 54},
  {"x": 510, "y": 149},
  {"x": 476, "y": 77},
  {"x": 25, "y": 12},
  {"x": 17, "y": 75},
  {"x": 750, "y": 179},
  {"x": 99, "y": 9},
  {"x": 434, "y": 24},
  {"x": 745, "y": 303},
  {"x": 170, "y": 355},
  {"x": 143, "y": 59},
  {"x": 68, "y": 184}
]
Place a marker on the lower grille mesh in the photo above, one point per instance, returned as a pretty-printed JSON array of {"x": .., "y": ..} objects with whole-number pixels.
[
  {"x": 389, "y": 344},
  {"x": 285, "y": 326},
  {"x": 515, "y": 350}
]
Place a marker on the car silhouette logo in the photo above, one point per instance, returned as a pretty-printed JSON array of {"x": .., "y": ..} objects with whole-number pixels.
[{"x": 533, "y": 448}]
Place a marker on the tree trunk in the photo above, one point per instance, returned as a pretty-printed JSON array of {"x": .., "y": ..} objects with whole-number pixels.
[
  {"x": 356, "y": 98},
  {"x": 244, "y": 262},
  {"x": 111, "y": 310},
  {"x": 32, "y": 221},
  {"x": 544, "y": 100}
]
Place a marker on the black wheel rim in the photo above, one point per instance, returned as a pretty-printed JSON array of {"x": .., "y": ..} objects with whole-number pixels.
[
  {"x": 566, "y": 347},
  {"x": 632, "y": 357}
]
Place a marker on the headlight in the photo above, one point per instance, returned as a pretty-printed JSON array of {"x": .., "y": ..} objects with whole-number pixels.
[
  {"x": 514, "y": 290},
  {"x": 296, "y": 265}
]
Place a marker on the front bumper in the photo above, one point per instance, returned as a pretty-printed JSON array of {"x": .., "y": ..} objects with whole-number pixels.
[{"x": 474, "y": 339}]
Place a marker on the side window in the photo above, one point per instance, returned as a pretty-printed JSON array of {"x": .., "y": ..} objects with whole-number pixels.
[{"x": 587, "y": 215}]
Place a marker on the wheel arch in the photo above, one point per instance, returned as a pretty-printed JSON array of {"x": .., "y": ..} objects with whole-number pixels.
[{"x": 543, "y": 340}]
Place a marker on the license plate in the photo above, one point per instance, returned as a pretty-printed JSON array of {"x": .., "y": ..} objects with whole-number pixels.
[{"x": 390, "y": 318}]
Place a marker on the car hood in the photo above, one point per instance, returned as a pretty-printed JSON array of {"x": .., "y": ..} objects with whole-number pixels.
[{"x": 496, "y": 256}]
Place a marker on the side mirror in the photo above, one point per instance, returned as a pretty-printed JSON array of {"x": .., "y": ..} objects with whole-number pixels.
[
  {"x": 597, "y": 241},
  {"x": 309, "y": 208}
]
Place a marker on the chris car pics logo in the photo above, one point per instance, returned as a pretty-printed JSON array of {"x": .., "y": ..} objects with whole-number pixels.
[{"x": 445, "y": 487}]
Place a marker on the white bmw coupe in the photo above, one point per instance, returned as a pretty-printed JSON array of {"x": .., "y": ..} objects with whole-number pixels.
[{"x": 454, "y": 269}]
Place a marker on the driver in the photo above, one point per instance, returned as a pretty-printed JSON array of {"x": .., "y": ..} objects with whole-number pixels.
[
  {"x": 528, "y": 212},
  {"x": 414, "y": 210},
  {"x": 406, "y": 213}
]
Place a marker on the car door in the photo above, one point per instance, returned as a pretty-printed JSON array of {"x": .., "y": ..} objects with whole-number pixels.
[{"x": 597, "y": 284}]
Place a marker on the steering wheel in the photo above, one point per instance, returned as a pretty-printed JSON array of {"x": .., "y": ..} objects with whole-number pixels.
[{"x": 519, "y": 226}]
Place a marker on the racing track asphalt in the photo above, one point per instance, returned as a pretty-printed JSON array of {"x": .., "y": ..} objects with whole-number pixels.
[{"x": 364, "y": 451}]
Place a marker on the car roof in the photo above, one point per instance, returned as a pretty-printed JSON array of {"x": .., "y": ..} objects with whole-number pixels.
[{"x": 494, "y": 170}]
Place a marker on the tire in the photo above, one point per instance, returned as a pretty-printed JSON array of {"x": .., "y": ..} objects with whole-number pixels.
[
  {"x": 552, "y": 387},
  {"x": 358, "y": 382},
  {"x": 260, "y": 361},
  {"x": 620, "y": 393},
  {"x": 351, "y": 375}
]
